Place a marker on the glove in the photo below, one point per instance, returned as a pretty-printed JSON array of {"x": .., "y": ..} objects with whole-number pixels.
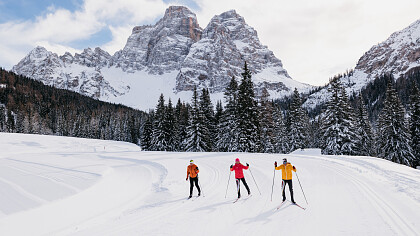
[
  {"x": 231, "y": 166},
  {"x": 247, "y": 164},
  {"x": 186, "y": 179},
  {"x": 275, "y": 164}
]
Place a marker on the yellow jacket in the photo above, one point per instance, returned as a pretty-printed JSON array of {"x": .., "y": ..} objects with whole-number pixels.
[{"x": 286, "y": 171}]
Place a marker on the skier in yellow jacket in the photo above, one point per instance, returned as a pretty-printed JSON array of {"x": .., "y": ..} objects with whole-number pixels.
[{"x": 286, "y": 173}]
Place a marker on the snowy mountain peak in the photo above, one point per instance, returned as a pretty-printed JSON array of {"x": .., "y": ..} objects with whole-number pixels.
[
  {"x": 178, "y": 12},
  {"x": 398, "y": 54},
  {"x": 175, "y": 50}
]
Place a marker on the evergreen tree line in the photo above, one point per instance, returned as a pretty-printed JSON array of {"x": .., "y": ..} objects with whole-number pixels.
[
  {"x": 251, "y": 124},
  {"x": 28, "y": 106}
]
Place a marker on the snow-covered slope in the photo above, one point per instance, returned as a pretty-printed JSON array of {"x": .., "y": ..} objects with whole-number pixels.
[
  {"x": 175, "y": 50},
  {"x": 68, "y": 186},
  {"x": 397, "y": 55}
]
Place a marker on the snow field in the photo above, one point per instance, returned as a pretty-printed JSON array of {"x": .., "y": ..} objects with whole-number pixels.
[{"x": 69, "y": 186}]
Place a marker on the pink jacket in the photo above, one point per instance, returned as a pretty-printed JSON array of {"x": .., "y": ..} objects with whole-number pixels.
[{"x": 238, "y": 168}]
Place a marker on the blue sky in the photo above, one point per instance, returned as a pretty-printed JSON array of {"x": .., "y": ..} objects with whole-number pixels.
[
  {"x": 26, "y": 9},
  {"x": 314, "y": 39}
]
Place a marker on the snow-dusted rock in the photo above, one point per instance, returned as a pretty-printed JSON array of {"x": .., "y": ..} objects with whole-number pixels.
[
  {"x": 174, "y": 47},
  {"x": 227, "y": 42},
  {"x": 397, "y": 55}
]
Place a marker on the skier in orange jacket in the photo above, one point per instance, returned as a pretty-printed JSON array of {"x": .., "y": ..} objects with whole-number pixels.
[
  {"x": 192, "y": 173},
  {"x": 286, "y": 174}
]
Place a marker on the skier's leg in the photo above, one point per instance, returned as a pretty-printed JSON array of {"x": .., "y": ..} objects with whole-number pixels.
[
  {"x": 291, "y": 190},
  {"x": 284, "y": 190},
  {"x": 238, "y": 187},
  {"x": 197, "y": 186},
  {"x": 191, "y": 186},
  {"x": 246, "y": 185}
]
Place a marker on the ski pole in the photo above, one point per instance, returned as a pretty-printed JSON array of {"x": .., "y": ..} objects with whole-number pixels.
[
  {"x": 301, "y": 188},
  {"x": 254, "y": 180},
  {"x": 272, "y": 187},
  {"x": 230, "y": 172}
]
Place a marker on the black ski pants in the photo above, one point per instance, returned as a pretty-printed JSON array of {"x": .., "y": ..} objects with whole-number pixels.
[
  {"x": 288, "y": 182},
  {"x": 238, "y": 185},
  {"x": 192, "y": 181}
]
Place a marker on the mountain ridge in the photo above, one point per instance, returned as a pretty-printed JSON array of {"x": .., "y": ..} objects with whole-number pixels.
[{"x": 175, "y": 52}]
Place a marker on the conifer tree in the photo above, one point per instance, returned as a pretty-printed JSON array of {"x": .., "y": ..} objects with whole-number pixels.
[
  {"x": 338, "y": 124},
  {"x": 280, "y": 131},
  {"x": 183, "y": 118},
  {"x": 267, "y": 123},
  {"x": 297, "y": 124},
  {"x": 366, "y": 137},
  {"x": 394, "y": 141},
  {"x": 415, "y": 124},
  {"x": 349, "y": 136},
  {"x": 159, "y": 141},
  {"x": 249, "y": 125},
  {"x": 169, "y": 127},
  {"x": 197, "y": 140},
  {"x": 208, "y": 119},
  {"x": 228, "y": 130}
]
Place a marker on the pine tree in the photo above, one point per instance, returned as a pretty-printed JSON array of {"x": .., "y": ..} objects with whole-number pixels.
[
  {"x": 147, "y": 135},
  {"x": 348, "y": 133},
  {"x": 366, "y": 137},
  {"x": 415, "y": 124},
  {"x": 159, "y": 140},
  {"x": 198, "y": 134},
  {"x": 249, "y": 125},
  {"x": 182, "y": 112},
  {"x": 267, "y": 123},
  {"x": 394, "y": 141},
  {"x": 208, "y": 119},
  {"x": 280, "y": 132},
  {"x": 339, "y": 136},
  {"x": 228, "y": 130},
  {"x": 297, "y": 124},
  {"x": 169, "y": 127}
]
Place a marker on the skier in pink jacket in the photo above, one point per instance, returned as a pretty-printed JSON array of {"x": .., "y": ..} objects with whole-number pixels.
[{"x": 239, "y": 175}]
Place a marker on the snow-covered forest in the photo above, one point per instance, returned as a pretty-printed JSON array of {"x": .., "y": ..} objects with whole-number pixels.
[
  {"x": 243, "y": 122},
  {"x": 255, "y": 124}
]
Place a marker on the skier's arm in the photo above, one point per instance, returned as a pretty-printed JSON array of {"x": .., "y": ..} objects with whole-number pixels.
[
  {"x": 294, "y": 169},
  {"x": 245, "y": 167},
  {"x": 280, "y": 167},
  {"x": 196, "y": 170}
]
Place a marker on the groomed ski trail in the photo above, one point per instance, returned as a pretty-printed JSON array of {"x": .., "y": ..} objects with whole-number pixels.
[{"x": 122, "y": 191}]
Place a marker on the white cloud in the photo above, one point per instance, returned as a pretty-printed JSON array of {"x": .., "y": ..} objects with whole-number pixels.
[{"x": 119, "y": 38}]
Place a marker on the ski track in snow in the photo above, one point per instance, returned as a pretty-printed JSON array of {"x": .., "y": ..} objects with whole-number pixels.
[{"x": 69, "y": 186}]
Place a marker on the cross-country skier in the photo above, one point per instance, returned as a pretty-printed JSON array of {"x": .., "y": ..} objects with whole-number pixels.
[
  {"x": 192, "y": 172},
  {"x": 286, "y": 173},
  {"x": 239, "y": 175}
]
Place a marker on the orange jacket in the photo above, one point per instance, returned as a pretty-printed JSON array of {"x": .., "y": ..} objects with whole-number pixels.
[
  {"x": 192, "y": 171},
  {"x": 286, "y": 171}
]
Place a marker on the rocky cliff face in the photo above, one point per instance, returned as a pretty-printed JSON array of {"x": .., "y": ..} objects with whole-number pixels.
[
  {"x": 397, "y": 55},
  {"x": 175, "y": 46},
  {"x": 226, "y": 43},
  {"x": 160, "y": 48}
]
